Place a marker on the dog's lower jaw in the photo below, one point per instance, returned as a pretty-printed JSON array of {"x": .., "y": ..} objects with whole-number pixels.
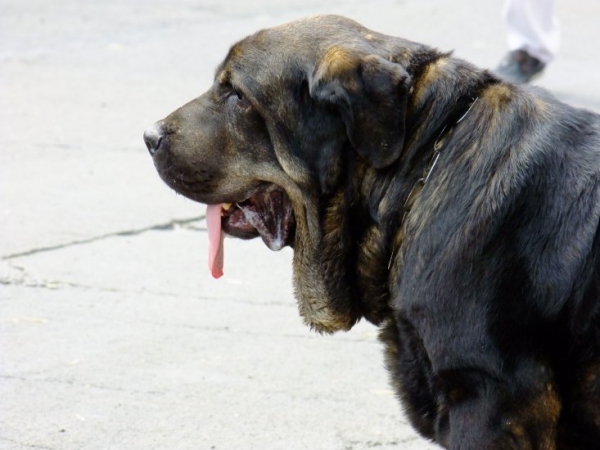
[
  {"x": 321, "y": 319},
  {"x": 314, "y": 304},
  {"x": 324, "y": 301}
]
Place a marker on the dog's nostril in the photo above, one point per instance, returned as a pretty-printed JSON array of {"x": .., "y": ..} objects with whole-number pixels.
[{"x": 153, "y": 137}]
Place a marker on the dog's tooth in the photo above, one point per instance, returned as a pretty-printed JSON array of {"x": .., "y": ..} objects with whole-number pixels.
[{"x": 226, "y": 206}]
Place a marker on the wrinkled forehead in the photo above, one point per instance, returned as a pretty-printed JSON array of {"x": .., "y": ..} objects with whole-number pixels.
[
  {"x": 294, "y": 45},
  {"x": 269, "y": 50}
]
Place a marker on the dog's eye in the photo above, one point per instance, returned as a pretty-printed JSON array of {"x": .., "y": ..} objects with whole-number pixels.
[{"x": 235, "y": 96}]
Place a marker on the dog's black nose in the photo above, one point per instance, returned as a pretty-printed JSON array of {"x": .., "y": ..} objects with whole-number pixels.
[{"x": 153, "y": 137}]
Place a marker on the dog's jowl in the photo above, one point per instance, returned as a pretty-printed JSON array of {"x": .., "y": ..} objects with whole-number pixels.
[{"x": 457, "y": 212}]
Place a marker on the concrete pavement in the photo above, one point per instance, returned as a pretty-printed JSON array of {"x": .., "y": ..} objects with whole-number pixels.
[{"x": 112, "y": 333}]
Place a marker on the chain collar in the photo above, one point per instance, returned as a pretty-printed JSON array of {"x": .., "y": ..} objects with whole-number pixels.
[{"x": 418, "y": 186}]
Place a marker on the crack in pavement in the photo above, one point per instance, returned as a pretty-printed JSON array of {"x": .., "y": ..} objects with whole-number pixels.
[
  {"x": 17, "y": 276},
  {"x": 74, "y": 383},
  {"x": 161, "y": 227},
  {"x": 24, "y": 444}
]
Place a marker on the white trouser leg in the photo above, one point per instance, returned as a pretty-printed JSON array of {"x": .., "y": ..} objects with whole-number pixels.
[{"x": 532, "y": 26}]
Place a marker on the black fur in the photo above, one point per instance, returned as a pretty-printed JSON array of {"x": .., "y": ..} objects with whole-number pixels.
[{"x": 484, "y": 278}]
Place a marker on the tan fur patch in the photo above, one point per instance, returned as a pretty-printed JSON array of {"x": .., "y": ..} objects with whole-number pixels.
[
  {"x": 223, "y": 77},
  {"x": 431, "y": 73},
  {"x": 497, "y": 94},
  {"x": 337, "y": 62},
  {"x": 539, "y": 413}
]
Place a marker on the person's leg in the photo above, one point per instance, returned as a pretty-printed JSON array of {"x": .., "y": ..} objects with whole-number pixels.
[
  {"x": 532, "y": 26},
  {"x": 533, "y": 38}
]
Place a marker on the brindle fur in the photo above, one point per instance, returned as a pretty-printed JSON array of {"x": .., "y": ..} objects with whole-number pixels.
[{"x": 487, "y": 292}]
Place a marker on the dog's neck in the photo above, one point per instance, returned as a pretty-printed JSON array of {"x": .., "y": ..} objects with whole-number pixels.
[
  {"x": 361, "y": 225},
  {"x": 439, "y": 102},
  {"x": 438, "y": 105},
  {"x": 442, "y": 90}
]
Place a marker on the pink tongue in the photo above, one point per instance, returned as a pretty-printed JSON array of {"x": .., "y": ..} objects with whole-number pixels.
[{"x": 215, "y": 240}]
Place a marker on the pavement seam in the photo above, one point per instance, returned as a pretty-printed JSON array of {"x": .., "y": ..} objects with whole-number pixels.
[
  {"x": 23, "y": 444},
  {"x": 164, "y": 226},
  {"x": 101, "y": 387}
]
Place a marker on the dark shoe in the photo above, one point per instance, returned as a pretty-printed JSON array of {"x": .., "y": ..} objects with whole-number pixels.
[{"x": 520, "y": 67}]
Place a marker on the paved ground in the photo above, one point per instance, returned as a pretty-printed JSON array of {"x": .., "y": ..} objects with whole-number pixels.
[{"x": 112, "y": 334}]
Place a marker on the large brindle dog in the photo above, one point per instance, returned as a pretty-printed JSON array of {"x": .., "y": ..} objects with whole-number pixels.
[{"x": 456, "y": 211}]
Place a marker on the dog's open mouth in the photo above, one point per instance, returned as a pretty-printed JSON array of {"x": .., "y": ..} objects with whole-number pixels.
[{"x": 267, "y": 213}]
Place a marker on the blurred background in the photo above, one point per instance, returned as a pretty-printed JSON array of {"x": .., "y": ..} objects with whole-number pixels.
[{"x": 112, "y": 333}]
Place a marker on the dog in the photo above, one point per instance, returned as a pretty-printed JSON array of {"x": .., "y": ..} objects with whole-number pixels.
[{"x": 454, "y": 210}]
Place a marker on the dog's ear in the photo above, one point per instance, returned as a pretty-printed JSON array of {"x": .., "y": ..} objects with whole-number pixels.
[{"x": 371, "y": 94}]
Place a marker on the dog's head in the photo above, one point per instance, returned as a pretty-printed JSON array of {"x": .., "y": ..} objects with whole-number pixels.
[{"x": 269, "y": 140}]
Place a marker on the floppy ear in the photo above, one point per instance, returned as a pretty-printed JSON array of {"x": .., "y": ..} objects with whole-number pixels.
[{"x": 371, "y": 94}]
